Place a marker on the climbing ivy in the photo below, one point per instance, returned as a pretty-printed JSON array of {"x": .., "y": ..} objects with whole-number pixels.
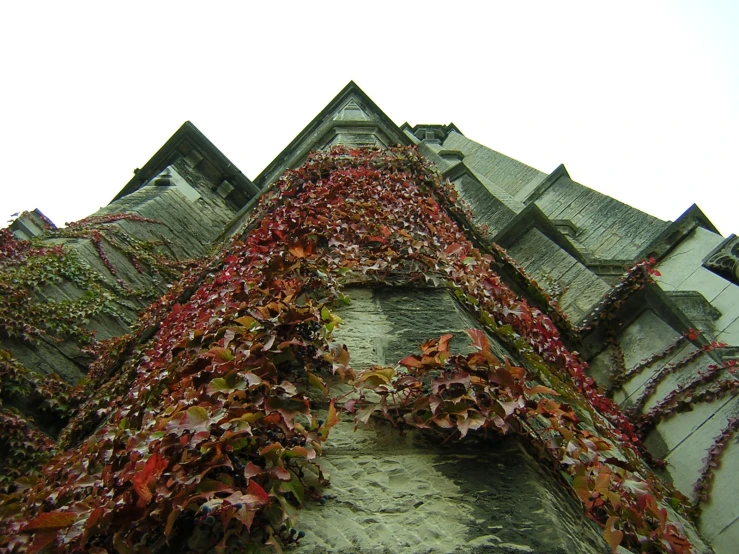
[
  {"x": 140, "y": 253},
  {"x": 712, "y": 383},
  {"x": 636, "y": 278},
  {"x": 49, "y": 393},
  {"x": 28, "y": 267},
  {"x": 479, "y": 392},
  {"x": 207, "y": 434},
  {"x": 712, "y": 460},
  {"x": 23, "y": 448},
  {"x": 651, "y": 384},
  {"x": 620, "y": 374}
]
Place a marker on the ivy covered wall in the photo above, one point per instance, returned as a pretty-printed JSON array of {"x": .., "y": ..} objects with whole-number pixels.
[
  {"x": 202, "y": 423},
  {"x": 209, "y": 434}
]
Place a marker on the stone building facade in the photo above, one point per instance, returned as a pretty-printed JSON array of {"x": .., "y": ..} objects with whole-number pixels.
[{"x": 402, "y": 494}]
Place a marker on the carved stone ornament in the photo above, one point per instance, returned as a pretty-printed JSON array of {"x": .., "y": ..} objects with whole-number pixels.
[{"x": 725, "y": 259}]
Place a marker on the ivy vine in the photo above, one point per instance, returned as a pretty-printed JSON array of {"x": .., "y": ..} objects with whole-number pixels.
[{"x": 207, "y": 435}]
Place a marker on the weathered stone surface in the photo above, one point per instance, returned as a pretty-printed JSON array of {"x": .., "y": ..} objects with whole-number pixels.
[
  {"x": 686, "y": 259},
  {"x": 502, "y": 170},
  {"x": 391, "y": 493},
  {"x": 384, "y": 325},
  {"x": 720, "y": 515},
  {"x": 489, "y": 211},
  {"x": 610, "y": 229},
  {"x": 548, "y": 264},
  {"x": 697, "y": 309}
]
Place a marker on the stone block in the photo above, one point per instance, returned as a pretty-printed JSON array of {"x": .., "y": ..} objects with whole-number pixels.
[
  {"x": 683, "y": 267},
  {"x": 727, "y": 539},
  {"x": 688, "y": 448},
  {"x": 383, "y": 326},
  {"x": 727, "y": 302},
  {"x": 647, "y": 335},
  {"x": 393, "y": 493},
  {"x": 705, "y": 282},
  {"x": 730, "y": 334},
  {"x": 720, "y": 513}
]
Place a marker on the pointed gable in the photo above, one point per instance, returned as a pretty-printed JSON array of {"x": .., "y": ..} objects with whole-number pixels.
[
  {"x": 350, "y": 119},
  {"x": 190, "y": 144}
]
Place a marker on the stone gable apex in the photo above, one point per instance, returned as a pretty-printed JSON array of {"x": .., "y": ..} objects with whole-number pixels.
[
  {"x": 193, "y": 146},
  {"x": 351, "y": 119}
]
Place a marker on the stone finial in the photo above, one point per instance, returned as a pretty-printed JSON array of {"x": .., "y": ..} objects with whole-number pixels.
[{"x": 725, "y": 259}]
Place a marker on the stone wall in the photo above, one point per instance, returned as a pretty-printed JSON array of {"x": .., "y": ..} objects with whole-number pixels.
[
  {"x": 392, "y": 493},
  {"x": 576, "y": 242},
  {"x": 407, "y": 493},
  {"x": 569, "y": 282},
  {"x": 190, "y": 215},
  {"x": 711, "y": 304}
]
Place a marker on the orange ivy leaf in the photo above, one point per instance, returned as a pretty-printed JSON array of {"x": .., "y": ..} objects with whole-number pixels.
[
  {"x": 247, "y": 321},
  {"x": 274, "y": 543},
  {"x": 613, "y": 537},
  {"x": 288, "y": 408},
  {"x": 444, "y": 342},
  {"x": 301, "y": 250},
  {"x": 171, "y": 518},
  {"x": 411, "y": 361},
  {"x": 479, "y": 339},
  {"x": 317, "y": 382},
  {"x": 51, "y": 520},
  {"x": 374, "y": 378},
  {"x": 221, "y": 353},
  {"x": 332, "y": 419}
]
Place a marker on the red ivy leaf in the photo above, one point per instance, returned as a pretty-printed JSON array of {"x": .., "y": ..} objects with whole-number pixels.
[
  {"x": 42, "y": 539},
  {"x": 280, "y": 474},
  {"x": 255, "y": 489},
  {"x": 252, "y": 470},
  {"x": 151, "y": 472},
  {"x": 455, "y": 248}
]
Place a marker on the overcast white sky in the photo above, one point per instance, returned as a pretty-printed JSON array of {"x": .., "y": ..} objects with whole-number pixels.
[{"x": 640, "y": 100}]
